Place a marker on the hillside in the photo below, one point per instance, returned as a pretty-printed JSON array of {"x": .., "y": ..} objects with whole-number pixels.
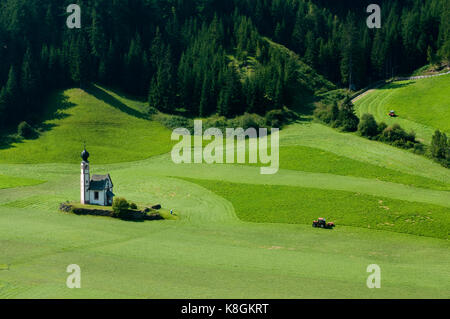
[
  {"x": 240, "y": 234},
  {"x": 175, "y": 55},
  {"x": 305, "y": 82},
  {"x": 100, "y": 118},
  {"x": 421, "y": 105}
]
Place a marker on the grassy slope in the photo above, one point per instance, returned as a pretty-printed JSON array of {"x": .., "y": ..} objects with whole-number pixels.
[
  {"x": 209, "y": 252},
  {"x": 421, "y": 105},
  {"x": 103, "y": 120},
  {"x": 311, "y": 159},
  {"x": 309, "y": 82}
]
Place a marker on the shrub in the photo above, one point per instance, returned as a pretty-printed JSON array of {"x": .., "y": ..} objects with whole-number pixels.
[
  {"x": 381, "y": 127},
  {"x": 152, "y": 110},
  {"x": 440, "y": 148},
  {"x": 25, "y": 130},
  {"x": 368, "y": 126},
  {"x": 419, "y": 148},
  {"x": 323, "y": 113},
  {"x": 133, "y": 206},
  {"x": 216, "y": 121},
  {"x": 397, "y": 136},
  {"x": 248, "y": 120},
  {"x": 334, "y": 111},
  {"x": 438, "y": 145},
  {"x": 120, "y": 207},
  {"x": 175, "y": 121},
  {"x": 275, "y": 118},
  {"x": 348, "y": 119}
]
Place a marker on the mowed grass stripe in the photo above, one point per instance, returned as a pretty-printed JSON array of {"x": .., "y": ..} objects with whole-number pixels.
[
  {"x": 422, "y": 105},
  {"x": 12, "y": 182},
  {"x": 311, "y": 159},
  {"x": 161, "y": 166},
  {"x": 297, "y": 205},
  {"x": 178, "y": 260},
  {"x": 355, "y": 147}
]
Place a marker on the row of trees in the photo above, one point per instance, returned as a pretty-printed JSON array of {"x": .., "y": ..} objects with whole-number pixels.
[
  {"x": 208, "y": 56},
  {"x": 338, "y": 116}
]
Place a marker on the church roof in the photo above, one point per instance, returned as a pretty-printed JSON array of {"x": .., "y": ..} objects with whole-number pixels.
[{"x": 98, "y": 182}]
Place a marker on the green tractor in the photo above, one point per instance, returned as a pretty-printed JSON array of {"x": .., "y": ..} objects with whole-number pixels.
[{"x": 322, "y": 223}]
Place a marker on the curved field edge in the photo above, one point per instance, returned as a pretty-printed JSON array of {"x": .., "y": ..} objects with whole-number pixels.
[
  {"x": 312, "y": 159},
  {"x": 357, "y": 148},
  {"x": 301, "y": 205},
  {"x": 182, "y": 259},
  {"x": 422, "y": 105}
]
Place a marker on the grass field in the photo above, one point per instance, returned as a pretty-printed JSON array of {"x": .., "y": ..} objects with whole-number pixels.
[
  {"x": 239, "y": 234},
  {"x": 99, "y": 118},
  {"x": 10, "y": 182},
  {"x": 301, "y": 205},
  {"x": 421, "y": 105}
]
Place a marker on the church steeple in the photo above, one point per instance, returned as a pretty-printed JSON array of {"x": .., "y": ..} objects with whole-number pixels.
[
  {"x": 85, "y": 154},
  {"x": 85, "y": 177}
]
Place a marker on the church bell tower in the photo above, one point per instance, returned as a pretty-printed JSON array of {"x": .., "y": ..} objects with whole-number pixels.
[{"x": 85, "y": 177}]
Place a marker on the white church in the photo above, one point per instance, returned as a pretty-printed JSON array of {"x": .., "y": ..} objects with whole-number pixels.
[{"x": 97, "y": 190}]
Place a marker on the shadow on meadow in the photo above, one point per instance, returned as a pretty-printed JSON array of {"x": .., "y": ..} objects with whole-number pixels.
[
  {"x": 104, "y": 96},
  {"x": 57, "y": 103}
]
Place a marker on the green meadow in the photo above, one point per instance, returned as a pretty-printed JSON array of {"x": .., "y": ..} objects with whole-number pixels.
[
  {"x": 421, "y": 105},
  {"x": 10, "y": 182},
  {"x": 239, "y": 234},
  {"x": 116, "y": 132}
]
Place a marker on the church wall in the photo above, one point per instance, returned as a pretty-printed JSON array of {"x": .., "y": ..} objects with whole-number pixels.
[{"x": 101, "y": 198}]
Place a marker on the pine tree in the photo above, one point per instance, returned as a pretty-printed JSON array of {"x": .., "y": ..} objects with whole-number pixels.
[
  {"x": 444, "y": 33},
  {"x": 29, "y": 81},
  {"x": 134, "y": 67},
  {"x": 311, "y": 49},
  {"x": 439, "y": 145},
  {"x": 96, "y": 36},
  {"x": 351, "y": 53},
  {"x": 204, "y": 98},
  {"x": 3, "y": 106},
  {"x": 12, "y": 86},
  {"x": 79, "y": 60},
  {"x": 11, "y": 96},
  {"x": 161, "y": 94}
]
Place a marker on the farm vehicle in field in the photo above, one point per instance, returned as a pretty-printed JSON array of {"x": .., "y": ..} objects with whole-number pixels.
[{"x": 322, "y": 223}]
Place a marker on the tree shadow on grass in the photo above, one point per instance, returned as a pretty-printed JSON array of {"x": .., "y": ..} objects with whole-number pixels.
[
  {"x": 104, "y": 96},
  {"x": 6, "y": 140},
  {"x": 56, "y": 104}
]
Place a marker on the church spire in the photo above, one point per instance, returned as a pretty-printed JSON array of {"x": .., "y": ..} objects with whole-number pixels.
[{"x": 85, "y": 154}]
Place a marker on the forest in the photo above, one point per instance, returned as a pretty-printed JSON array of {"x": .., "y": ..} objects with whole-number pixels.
[{"x": 203, "y": 57}]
